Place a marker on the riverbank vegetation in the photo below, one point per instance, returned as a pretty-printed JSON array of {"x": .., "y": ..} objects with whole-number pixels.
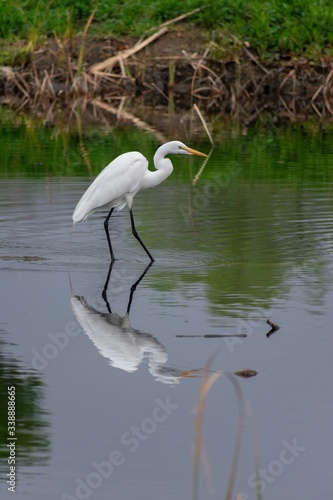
[
  {"x": 271, "y": 27},
  {"x": 257, "y": 55}
]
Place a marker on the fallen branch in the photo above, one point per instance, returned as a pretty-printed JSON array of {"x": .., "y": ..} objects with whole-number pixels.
[
  {"x": 183, "y": 16},
  {"x": 125, "y": 54},
  {"x": 274, "y": 329}
]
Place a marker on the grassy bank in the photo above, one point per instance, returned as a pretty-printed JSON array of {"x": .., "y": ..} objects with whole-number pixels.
[
  {"x": 238, "y": 57},
  {"x": 272, "y": 28}
]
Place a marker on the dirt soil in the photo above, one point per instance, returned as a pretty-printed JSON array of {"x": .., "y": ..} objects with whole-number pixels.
[{"x": 177, "y": 69}]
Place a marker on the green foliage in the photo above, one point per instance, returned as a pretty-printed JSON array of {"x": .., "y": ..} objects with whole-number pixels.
[
  {"x": 33, "y": 445},
  {"x": 272, "y": 27}
]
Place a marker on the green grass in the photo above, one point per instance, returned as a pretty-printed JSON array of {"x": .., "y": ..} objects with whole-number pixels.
[{"x": 271, "y": 27}]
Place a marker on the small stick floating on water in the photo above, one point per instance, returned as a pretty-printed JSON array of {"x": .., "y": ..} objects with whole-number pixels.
[
  {"x": 246, "y": 373},
  {"x": 274, "y": 328},
  {"x": 212, "y": 336}
]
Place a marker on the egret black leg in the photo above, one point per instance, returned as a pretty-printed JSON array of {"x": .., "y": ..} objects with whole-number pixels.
[
  {"x": 106, "y": 227},
  {"x": 106, "y": 287},
  {"x": 134, "y": 231}
]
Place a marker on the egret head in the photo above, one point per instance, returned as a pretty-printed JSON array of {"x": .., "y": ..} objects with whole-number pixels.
[{"x": 179, "y": 148}]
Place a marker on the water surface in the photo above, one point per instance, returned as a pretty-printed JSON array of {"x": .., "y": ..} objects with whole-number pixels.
[{"x": 105, "y": 400}]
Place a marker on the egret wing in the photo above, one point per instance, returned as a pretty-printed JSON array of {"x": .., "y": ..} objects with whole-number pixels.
[{"x": 121, "y": 177}]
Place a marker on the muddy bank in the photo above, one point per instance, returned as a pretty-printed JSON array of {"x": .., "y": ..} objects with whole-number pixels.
[{"x": 175, "y": 68}]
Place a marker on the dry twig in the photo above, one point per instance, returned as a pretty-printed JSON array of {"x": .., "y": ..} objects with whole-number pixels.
[
  {"x": 183, "y": 16},
  {"x": 203, "y": 123},
  {"x": 125, "y": 54},
  {"x": 326, "y": 89}
]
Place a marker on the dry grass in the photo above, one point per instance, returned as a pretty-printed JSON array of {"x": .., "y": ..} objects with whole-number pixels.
[
  {"x": 239, "y": 86},
  {"x": 209, "y": 379}
]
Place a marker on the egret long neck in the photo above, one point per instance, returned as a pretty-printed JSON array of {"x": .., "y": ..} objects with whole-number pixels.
[{"x": 163, "y": 169}]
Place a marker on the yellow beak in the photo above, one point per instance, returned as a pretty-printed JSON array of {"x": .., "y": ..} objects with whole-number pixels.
[{"x": 194, "y": 152}]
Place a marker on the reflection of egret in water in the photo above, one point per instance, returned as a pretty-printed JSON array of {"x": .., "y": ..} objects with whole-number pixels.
[{"x": 117, "y": 341}]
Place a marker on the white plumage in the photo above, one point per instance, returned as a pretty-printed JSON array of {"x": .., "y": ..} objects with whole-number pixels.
[
  {"x": 122, "y": 179},
  {"x": 114, "y": 186}
]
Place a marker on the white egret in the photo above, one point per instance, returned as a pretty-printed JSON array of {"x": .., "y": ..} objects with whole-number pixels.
[{"x": 122, "y": 179}]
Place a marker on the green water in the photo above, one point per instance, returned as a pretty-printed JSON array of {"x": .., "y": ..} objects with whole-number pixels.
[{"x": 250, "y": 241}]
